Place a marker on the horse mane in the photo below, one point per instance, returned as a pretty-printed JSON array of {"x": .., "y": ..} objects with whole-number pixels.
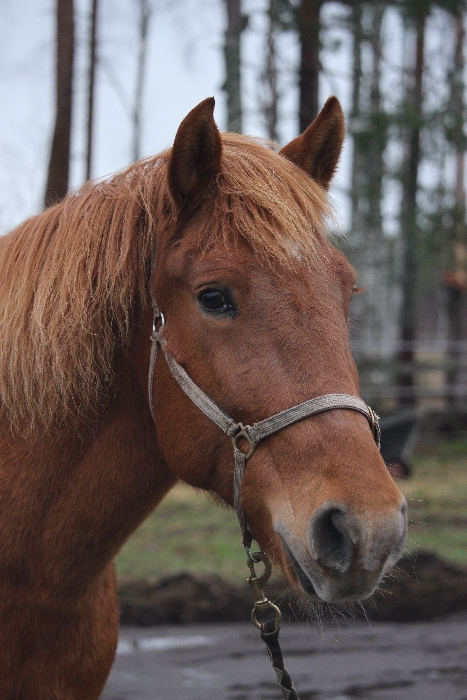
[{"x": 73, "y": 277}]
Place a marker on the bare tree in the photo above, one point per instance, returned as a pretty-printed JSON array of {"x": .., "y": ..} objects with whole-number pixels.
[
  {"x": 455, "y": 278},
  {"x": 375, "y": 330},
  {"x": 308, "y": 19},
  {"x": 236, "y": 23},
  {"x": 91, "y": 85},
  {"x": 408, "y": 215},
  {"x": 269, "y": 101},
  {"x": 144, "y": 10},
  {"x": 59, "y": 163}
]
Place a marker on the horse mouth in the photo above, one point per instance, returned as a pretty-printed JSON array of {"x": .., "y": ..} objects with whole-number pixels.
[{"x": 304, "y": 581}]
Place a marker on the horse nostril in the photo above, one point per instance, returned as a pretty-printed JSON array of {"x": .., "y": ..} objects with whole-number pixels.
[{"x": 329, "y": 538}]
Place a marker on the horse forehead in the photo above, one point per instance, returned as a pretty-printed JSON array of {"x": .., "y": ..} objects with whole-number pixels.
[{"x": 187, "y": 259}]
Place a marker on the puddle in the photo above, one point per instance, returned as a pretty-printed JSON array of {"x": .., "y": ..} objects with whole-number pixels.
[{"x": 126, "y": 646}]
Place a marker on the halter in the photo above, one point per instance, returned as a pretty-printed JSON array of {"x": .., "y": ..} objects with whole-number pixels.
[{"x": 253, "y": 434}]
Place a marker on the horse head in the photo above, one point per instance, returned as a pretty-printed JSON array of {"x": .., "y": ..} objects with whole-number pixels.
[{"x": 256, "y": 308}]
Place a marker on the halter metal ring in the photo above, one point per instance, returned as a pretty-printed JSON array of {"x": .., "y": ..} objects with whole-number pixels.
[
  {"x": 243, "y": 433},
  {"x": 156, "y": 318}
]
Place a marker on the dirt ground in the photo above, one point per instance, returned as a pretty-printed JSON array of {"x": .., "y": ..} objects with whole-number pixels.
[
  {"x": 200, "y": 649},
  {"x": 369, "y": 661},
  {"x": 420, "y": 588}
]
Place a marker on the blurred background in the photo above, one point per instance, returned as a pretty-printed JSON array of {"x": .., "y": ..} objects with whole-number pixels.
[{"x": 89, "y": 86}]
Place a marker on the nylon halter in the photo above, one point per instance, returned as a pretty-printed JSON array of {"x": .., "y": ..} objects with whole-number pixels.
[{"x": 252, "y": 434}]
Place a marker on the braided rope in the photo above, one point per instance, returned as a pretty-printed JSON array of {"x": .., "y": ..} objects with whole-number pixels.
[{"x": 270, "y": 636}]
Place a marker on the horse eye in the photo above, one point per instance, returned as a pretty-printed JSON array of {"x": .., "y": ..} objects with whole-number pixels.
[{"x": 214, "y": 301}]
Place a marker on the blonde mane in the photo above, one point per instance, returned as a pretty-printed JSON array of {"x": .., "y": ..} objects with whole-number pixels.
[{"x": 73, "y": 278}]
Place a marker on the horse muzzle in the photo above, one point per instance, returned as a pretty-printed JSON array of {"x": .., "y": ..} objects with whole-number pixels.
[{"x": 345, "y": 555}]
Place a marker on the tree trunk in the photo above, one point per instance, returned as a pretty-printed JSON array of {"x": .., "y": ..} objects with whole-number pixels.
[
  {"x": 59, "y": 164},
  {"x": 308, "y": 17},
  {"x": 91, "y": 83},
  {"x": 456, "y": 279},
  {"x": 375, "y": 331},
  {"x": 144, "y": 19},
  {"x": 236, "y": 22},
  {"x": 270, "y": 99},
  {"x": 408, "y": 217}
]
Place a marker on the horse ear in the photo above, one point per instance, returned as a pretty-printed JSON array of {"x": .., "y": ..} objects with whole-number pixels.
[
  {"x": 318, "y": 149},
  {"x": 196, "y": 155}
]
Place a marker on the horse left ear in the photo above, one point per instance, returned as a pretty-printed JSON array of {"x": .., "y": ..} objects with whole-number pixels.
[
  {"x": 196, "y": 155},
  {"x": 318, "y": 149}
]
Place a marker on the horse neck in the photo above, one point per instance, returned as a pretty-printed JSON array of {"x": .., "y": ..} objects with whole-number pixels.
[{"x": 75, "y": 501}]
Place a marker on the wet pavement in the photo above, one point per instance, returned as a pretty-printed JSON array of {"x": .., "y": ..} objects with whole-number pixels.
[{"x": 381, "y": 661}]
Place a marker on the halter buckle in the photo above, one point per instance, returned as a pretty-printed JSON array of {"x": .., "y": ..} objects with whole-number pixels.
[
  {"x": 243, "y": 433},
  {"x": 374, "y": 425}
]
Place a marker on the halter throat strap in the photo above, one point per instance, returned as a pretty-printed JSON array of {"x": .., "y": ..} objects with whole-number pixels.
[{"x": 252, "y": 434}]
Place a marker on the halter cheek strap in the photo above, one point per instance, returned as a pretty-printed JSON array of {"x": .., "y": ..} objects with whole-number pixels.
[{"x": 252, "y": 434}]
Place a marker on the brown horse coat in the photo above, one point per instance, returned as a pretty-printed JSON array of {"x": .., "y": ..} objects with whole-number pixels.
[{"x": 256, "y": 303}]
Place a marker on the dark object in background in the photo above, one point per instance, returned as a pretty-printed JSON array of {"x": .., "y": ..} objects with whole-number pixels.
[
  {"x": 398, "y": 435},
  {"x": 400, "y": 432},
  {"x": 398, "y": 468}
]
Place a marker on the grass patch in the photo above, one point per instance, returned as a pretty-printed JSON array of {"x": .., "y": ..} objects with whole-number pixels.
[
  {"x": 437, "y": 497},
  {"x": 188, "y": 532}
]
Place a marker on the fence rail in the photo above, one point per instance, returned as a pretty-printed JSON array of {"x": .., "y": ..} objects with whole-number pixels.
[{"x": 435, "y": 376}]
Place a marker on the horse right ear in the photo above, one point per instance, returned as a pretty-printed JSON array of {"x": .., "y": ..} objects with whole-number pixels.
[
  {"x": 318, "y": 149},
  {"x": 196, "y": 155}
]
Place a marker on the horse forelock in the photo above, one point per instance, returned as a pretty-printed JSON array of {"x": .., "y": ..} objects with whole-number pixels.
[
  {"x": 269, "y": 202},
  {"x": 73, "y": 277}
]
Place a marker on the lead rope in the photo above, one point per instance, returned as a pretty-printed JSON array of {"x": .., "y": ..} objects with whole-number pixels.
[
  {"x": 269, "y": 628},
  {"x": 253, "y": 434}
]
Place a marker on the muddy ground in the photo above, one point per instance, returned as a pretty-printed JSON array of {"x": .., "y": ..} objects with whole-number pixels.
[
  {"x": 356, "y": 660},
  {"x": 423, "y": 587},
  {"x": 415, "y": 648}
]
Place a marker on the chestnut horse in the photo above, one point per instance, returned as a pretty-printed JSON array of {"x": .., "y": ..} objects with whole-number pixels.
[{"x": 229, "y": 237}]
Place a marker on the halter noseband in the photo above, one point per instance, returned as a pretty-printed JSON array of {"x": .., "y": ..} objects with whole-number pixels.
[{"x": 253, "y": 434}]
